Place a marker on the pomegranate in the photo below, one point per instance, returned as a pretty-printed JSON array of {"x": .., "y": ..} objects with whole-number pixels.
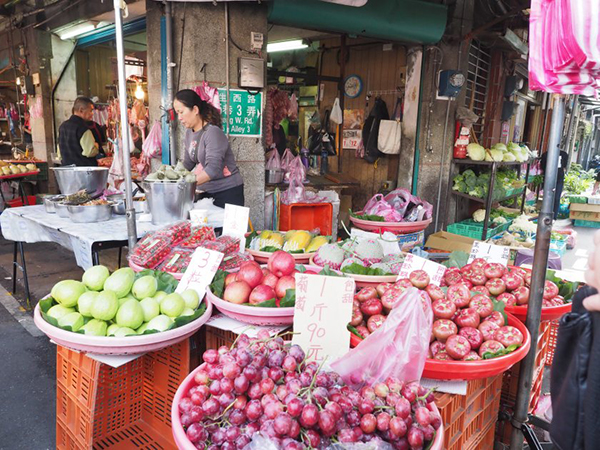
[
  {"x": 473, "y": 335},
  {"x": 251, "y": 274},
  {"x": 459, "y": 294},
  {"x": 496, "y": 286},
  {"x": 522, "y": 295},
  {"x": 442, "y": 329},
  {"x": 508, "y": 336},
  {"x": 237, "y": 292},
  {"x": 507, "y": 298},
  {"x": 366, "y": 293},
  {"x": 482, "y": 304},
  {"x": 281, "y": 263},
  {"x": 494, "y": 270},
  {"x": 443, "y": 308},
  {"x": 261, "y": 293},
  {"x": 550, "y": 290},
  {"x": 382, "y": 288},
  {"x": 467, "y": 317},
  {"x": 490, "y": 346},
  {"x": 457, "y": 346},
  {"x": 487, "y": 329},
  {"x": 284, "y": 283},
  {"x": 419, "y": 279},
  {"x": 435, "y": 292}
]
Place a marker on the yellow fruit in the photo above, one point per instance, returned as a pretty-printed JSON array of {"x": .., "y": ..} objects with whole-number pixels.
[
  {"x": 316, "y": 242},
  {"x": 298, "y": 241}
]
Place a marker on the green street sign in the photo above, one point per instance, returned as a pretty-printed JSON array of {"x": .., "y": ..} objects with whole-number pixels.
[{"x": 245, "y": 112}]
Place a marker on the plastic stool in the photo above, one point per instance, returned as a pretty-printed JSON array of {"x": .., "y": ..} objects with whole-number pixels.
[{"x": 525, "y": 256}]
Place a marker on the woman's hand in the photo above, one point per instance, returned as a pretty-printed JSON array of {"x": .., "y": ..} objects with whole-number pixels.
[
  {"x": 201, "y": 175},
  {"x": 592, "y": 275}
]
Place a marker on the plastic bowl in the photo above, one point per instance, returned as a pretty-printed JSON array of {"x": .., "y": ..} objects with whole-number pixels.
[
  {"x": 263, "y": 257},
  {"x": 394, "y": 227},
  {"x": 473, "y": 370},
  {"x": 548, "y": 313},
  {"x": 183, "y": 443},
  {"x": 364, "y": 280},
  {"x": 119, "y": 346}
]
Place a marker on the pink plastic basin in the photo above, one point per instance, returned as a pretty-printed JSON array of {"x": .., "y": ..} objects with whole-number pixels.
[{"x": 394, "y": 227}]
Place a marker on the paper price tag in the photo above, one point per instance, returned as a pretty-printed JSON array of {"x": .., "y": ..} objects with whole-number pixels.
[
  {"x": 201, "y": 271},
  {"x": 323, "y": 309},
  {"x": 412, "y": 262},
  {"x": 235, "y": 223},
  {"x": 490, "y": 252}
]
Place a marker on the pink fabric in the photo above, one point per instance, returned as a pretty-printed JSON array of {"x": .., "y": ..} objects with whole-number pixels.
[
  {"x": 208, "y": 94},
  {"x": 564, "y": 37}
]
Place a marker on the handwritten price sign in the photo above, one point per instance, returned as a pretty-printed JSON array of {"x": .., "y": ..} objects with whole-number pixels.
[
  {"x": 490, "y": 252},
  {"x": 201, "y": 271},
  {"x": 235, "y": 223},
  {"x": 412, "y": 262},
  {"x": 323, "y": 309}
]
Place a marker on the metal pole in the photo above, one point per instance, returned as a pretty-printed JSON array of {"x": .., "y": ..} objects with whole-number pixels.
[
  {"x": 227, "y": 113},
  {"x": 170, "y": 64},
  {"x": 540, "y": 262},
  {"x": 125, "y": 147}
]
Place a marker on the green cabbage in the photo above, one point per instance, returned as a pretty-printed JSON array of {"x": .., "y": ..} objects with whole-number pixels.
[
  {"x": 509, "y": 157},
  {"x": 497, "y": 155},
  {"x": 476, "y": 152},
  {"x": 500, "y": 146}
]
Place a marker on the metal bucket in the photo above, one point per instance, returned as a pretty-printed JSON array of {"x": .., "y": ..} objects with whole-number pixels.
[
  {"x": 72, "y": 179},
  {"x": 169, "y": 202},
  {"x": 274, "y": 176}
]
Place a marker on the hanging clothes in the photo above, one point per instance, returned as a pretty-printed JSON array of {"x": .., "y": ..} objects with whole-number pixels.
[{"x": 370, "y": 132}]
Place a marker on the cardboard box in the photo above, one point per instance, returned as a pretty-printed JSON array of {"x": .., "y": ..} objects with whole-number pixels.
[
  {"x": 584, "y": 207},
  {"x": 585, "y": 215},
  {"x": 442, "y": 240}
]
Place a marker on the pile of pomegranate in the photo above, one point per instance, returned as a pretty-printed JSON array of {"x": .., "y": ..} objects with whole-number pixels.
[{"x": 265, "y": 386}]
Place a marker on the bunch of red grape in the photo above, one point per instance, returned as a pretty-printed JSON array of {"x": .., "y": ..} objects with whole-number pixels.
[{"x": 265, "y": 386}]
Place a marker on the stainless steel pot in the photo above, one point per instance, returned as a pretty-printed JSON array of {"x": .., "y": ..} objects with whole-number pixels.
[
  {"x": 50, "y": 202},
  {"x": 119, "y": 203},
  {"x": 72, "y": 179},
  {"x": 90, "y": 213},
  {"x": 61, "y": 210},
  {"x": 169, "y": 201},
  {"x": 274, "y": 176}
]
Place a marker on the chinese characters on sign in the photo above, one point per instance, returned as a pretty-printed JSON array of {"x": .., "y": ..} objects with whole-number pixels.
[
  {"x": 323, "y": 309},
  {"x": 201, "y": 271},
  {"x": 412, "y": 262},
  {"x": 245, "y": 112},
  {"x": 491, "y": 253},
  {"x": 235, "y": 223}
]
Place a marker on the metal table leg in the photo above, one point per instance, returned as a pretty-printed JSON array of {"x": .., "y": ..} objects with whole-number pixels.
[
  {"x": 23, "y": 266},
  {"x": 15, "y": 265}
]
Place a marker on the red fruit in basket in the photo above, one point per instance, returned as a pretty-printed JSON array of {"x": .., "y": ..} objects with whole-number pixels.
[
  {"x": 477, "y": 277},
  {"x": 419, "y": 278},
  {"x": 443, "y": 309},
  {"x": 478, "y": 263},
  {"x": 466, "y": 269},
  {"x": 496, "y": 317},
  {"x": 550, "y": 290},
  {"x": 442, "y": 329},
  {"x": 442, "y": 355},
  {"x": 468, "y": 284},
  {"x": 375, "y": 322},
  {"x": 487, "y": 329},
  {"x": 518, "y": 271},
  {"x": 391, "y": 299},
  {"x": 496, "y": 286},
  {"x": 508, "y": 336},
  {"x": 482, "y": 304},
  {"x": 269, "y": 279},
  {"x": 237, "y": 292},
  {"x": 261, "y": 293},
  {"x": 230, "y": 278},
  {"x": 284, "y": 283},
  {"x": 481, "y": 289},
  {"x": 382, "y": 288},
  {"x": 436, "y": 347},
  {"x": 473, "y": 335},
  {"x": 527, "y": 279},
  {"x": 281, "y": 263},
  {"x": 402, "y": 284},
  {"x": 371, "y": 307},
  {"x": 494, "y": 270},
  {"x": 457, "y": 346},
  {"x": 398, "y": 428},
  {"x": 452, "y": 276},
  {"x": 357, "y": 317},
  {"x": 522, "y": 295},
  {"x": 512, "y": 281},
  {"x": 472, "y": 356},
  {"x": 459, "y": 294},
  {"x": 467, "y": 317},
  {"x": 251, "y": 274},
  {"x": 490, "y": 346},
  {"x": 435, "y": 292},
  {"x": 507, "y": 298},
  {"x": 366, "y": 293},
  {"x": 363, "y": 331}
]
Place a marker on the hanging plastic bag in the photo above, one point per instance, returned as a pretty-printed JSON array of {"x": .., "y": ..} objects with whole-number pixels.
[
  {"x": 337, "y": 116},
  {"x": 378, "y": 206},
  {"x": 390, "y": 137},
  {"x": 396, "y": 349},
  {"x": 286, "y": 159},
  {"x": 152, "y": 146},
  {"x": 274, "y": 161},
  {"x": 208, "y": 94}
]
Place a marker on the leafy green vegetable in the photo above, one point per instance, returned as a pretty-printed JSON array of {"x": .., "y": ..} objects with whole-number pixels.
[
  {"x": 372, "y": 217},
  {"x": 266, "y": 304},
  {"x": 358, "y": 269},
  {"x": 566, "y": 289},
  {"x": 250, "y": 237},
  {"x": 499, "y": 306},
  {"x": 457, "y": 258},
  {"x": 354, "y": 331},
  {"x": 301, "y": 268},
  {"x": 269, "y": 249},
  {"x": 504, "y": 351},
  {"x": 328, "y": 272},
  {"x": 217, "y": 286},
  {"x": 289, "y": 300}
]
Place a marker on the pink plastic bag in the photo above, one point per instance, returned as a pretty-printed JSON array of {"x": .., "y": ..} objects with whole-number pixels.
[
  {"x": 286, "y": 159},
  {"x": 152, "y": 146},
  {"x": 297, "y": 193},
  {"x": 274, "y": 162},
  {"x": 397, "y": 349},
  {"x": 379, "y": 207},
  {"x": 208, "y": 94}
]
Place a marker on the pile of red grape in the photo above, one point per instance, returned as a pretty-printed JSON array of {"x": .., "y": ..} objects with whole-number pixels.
[{"x": 264, "y": 386}]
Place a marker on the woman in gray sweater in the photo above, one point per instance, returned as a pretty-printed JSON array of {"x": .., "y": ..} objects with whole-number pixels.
[{"x": 207, "y": 151}]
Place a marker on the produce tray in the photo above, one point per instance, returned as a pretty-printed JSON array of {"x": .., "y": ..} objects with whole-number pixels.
[
  {"x": 474, "y": 230},
  {"x": 586, "y": 223},
  {"x": 130, "y": 345},
  {"x": 363, "y": 280},
  {"x": 394, "y": 227},
  {"x": 578, "y": 199},
  {"x": 263, "y": 257},
  {"x": 471, "y": 370},
  {"x": 19, "y": 175},
  {"x": 558, "y": 247},
  {"x": 508, "y": 193},
  {"x": 553, "y": 334},
  {"x": 183, "y": 443},
  {"x": 548, "y": 314}
]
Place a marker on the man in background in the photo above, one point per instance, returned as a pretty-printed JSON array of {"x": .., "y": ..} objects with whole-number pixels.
[{"x": 76, "y": 141}]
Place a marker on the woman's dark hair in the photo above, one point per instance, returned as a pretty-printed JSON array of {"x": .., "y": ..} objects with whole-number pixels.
[{"x": 207, "y": 112}]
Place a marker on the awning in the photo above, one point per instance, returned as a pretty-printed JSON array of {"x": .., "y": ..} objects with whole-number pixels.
[{"x": 107, "y": 33}]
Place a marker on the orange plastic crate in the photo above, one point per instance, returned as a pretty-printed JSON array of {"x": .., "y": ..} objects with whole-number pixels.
[
  {"x": 467, "y": 417},
  {"x": 102, "y": 407},
  {"x": 552, "y": 342},
  {"x": 306, "y": 216}
]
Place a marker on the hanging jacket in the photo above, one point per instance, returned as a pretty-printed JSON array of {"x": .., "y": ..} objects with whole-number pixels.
[{"x": 370, "y": 132}]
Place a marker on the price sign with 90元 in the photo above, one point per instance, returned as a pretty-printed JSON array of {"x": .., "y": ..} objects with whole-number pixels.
[
  {"x": 201, "y": 271},
  {"x": 323, "y": 309}
]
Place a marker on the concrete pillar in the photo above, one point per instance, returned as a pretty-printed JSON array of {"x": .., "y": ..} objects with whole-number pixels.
[{"x": 204, "y": 43}]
